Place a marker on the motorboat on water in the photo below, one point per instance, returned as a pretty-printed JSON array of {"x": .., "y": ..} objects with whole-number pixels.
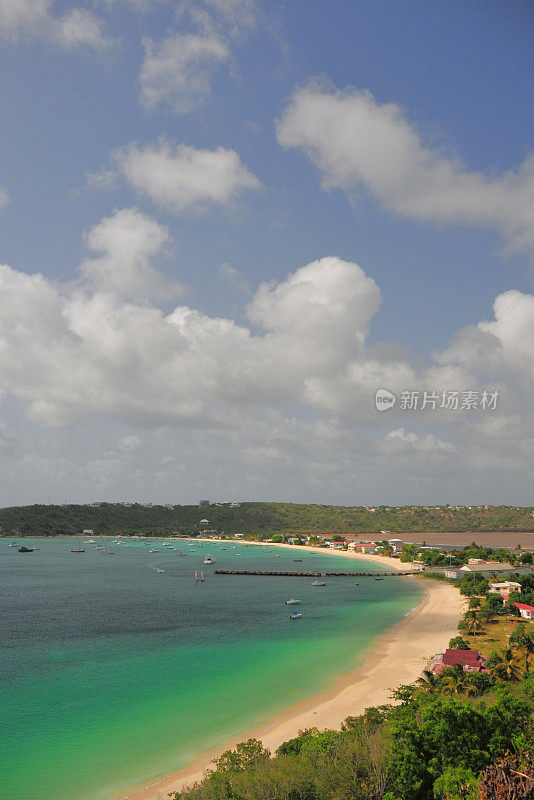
[
  {"x": 296, "y": 560},
  {"x": 153, "y": 550},
  {"x": 209, "y": 560},
  {"x": 292, "y": 602},
  {"x": 14, "y": 544},
  {"x": 319, "y": 583},
  {"x": 26, "y": 549},
  {"x": 295, "y": 615},
  {"x": 379, "y": 579}
]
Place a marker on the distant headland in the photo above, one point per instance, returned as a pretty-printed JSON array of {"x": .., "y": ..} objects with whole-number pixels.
[{"x": 260, "y": 520}]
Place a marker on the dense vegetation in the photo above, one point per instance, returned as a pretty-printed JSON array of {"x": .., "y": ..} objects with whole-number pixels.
[
  {"x": 261, "y": 520},
  {"x": 447, "y": 739}
]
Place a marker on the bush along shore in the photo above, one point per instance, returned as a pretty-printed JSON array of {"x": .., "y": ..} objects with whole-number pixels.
[{"x": 453, "y": 734}]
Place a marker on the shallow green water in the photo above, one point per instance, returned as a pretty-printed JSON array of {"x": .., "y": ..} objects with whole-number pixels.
[{"x": 112, "y": 674}]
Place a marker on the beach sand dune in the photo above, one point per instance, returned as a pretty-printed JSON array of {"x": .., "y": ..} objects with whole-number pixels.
[{"x": 396, "y": 658}]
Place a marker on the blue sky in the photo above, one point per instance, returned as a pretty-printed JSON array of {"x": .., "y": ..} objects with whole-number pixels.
[{"x": 222, "y": 144}]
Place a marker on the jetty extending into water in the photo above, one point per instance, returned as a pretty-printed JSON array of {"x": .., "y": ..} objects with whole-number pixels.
[{"x": 316, "y": 574}]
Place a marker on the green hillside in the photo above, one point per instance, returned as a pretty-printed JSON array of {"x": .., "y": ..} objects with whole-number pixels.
[{"x": 258, "y": 519}]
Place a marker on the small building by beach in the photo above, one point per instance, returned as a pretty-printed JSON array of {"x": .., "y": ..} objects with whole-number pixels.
[
  {"x": 497, "y": 567},
  {"x": 527, "y": 612},
  {"x": 470, "y": 660},
  {"x": 365, "y": 547}
]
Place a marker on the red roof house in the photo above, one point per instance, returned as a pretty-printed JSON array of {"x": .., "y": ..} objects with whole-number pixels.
[
  {"x": 471, "y": 660},
  {"x": 527, "y": 612}
]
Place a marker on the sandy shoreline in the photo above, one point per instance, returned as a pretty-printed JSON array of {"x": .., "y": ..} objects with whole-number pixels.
[{"x": 397, "y": 657}]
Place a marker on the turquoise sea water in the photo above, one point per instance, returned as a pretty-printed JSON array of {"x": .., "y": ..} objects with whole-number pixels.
[{"x": 112, "y": 674}]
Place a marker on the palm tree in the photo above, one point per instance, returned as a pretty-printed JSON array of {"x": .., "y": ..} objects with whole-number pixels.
[
  {"x": 473, "y": 622},
  {"x": 455, "y": 681},
  {"x": 526, "y": 648},
  {"x": 428, "y": 682},
  {"x": 507, "y": 666}
]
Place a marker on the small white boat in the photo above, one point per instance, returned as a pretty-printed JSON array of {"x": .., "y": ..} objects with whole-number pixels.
[
  {"x": 295, "y": 615},
  {"x": 158, "y": 570},
  {"x": 292, "y": 602},
  {"x": 209, "y": 560},
  {"x": 319, "y": 583},
  {"x": 13, "y": 544},
  {"x": 153, "y": 550}
]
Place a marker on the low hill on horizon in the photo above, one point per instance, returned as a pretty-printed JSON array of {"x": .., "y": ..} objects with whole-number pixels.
[{"x": 260, "y": 519}]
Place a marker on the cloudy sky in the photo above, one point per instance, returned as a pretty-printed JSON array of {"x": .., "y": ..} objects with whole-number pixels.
[{"x": 226, "y": 224}]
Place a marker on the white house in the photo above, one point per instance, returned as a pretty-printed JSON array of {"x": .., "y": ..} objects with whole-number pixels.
[
  {"x": 504, "y": 588},
  {"x": 527, "y": 612}
]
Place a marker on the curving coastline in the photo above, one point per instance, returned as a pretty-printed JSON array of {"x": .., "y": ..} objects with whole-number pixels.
[{"x": 396, "y": 657}]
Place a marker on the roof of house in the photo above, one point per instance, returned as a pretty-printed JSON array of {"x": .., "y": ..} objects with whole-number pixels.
[
  {"x": 524, "y": 606},
  {"x": 469, "y": 657},
  {"x": 504, "y": 584},
  {"x": 489, "y": 566}
]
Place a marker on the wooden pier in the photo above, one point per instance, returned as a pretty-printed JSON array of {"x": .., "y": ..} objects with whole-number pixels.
[{"x": 316, "y": 574}]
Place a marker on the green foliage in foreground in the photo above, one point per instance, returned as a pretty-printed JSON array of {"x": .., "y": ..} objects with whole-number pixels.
[
  {"x": 432, "y": 745},
  {"x": 261, "y": 520}
]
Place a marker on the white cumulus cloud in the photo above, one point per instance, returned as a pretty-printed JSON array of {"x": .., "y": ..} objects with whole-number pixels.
[
  {"x": 285, "y": 401},
  {"x": 178, "y": 176},
  {"x": 28, "y": 19},
  {"x": 126, "y": 242},
  {"x": 178, "y": 70},
  {"x": 356, "y": 141}
]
